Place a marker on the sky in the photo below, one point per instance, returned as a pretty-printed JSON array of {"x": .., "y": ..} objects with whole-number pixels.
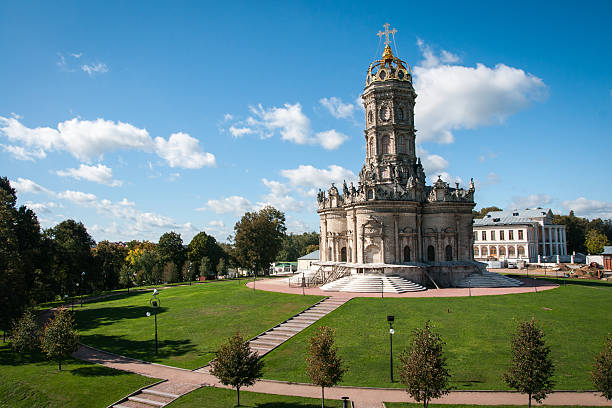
[{"x": 139, "y": 118}]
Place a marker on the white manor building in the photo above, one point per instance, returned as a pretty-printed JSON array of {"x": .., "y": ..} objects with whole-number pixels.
[{"x": 519, "y": 234}]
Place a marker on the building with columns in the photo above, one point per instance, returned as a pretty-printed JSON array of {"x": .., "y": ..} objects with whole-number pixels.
[
  {"x": 392, "y": 218},
  {"x": 519, "y": 234}
]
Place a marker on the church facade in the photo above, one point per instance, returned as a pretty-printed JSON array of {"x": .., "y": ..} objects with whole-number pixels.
[{"x": 392, "y": 218}]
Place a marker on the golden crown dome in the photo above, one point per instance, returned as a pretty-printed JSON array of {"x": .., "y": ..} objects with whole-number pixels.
[{"x": 389, "y": 67}]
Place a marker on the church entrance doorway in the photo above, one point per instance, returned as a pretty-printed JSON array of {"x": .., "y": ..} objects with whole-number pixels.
[
  {"x": 431, "y": 253},
  {"x": 343, "y": 254},
  {"x": 372, "y": 254}
]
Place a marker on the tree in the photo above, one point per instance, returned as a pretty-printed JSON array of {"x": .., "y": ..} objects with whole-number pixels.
[
  {"x": 203, "y": 245},
  {"x": 126, "y": 277},
  {"x": 258, "y": 237},
  {"x": 236, "y": 365},
  {"x": 59, "y": 338},
  {"x": 205, "y": 267},
  {"x": 13, "y": 285},
  {"x": 423, "y": 367},
  {"x": 170, "y": 249},
  {"x": 109, "y": 259},
  {"x": 296, "y": 245},
  {"x": 602, "y": 370},
  {"x": 170, "y": 272},
  {"x": 71, "y": 253},
  {"x": 324, "y": 366},
  {"x": 484, "y": 211},
  {"x": 221, "y": 267},
  {"x": 595, "y": 241},
  {"x": 25, "y": 335},
  {"x": 532, "y": 368}
]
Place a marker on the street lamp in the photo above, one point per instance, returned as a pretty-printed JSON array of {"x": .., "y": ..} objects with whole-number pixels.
[
  {"x": 83, "y": 285},
  {"x": 77, "y": 291},
  {"x": 391, "y": 319},
  {"x": 156, "y": 303}
]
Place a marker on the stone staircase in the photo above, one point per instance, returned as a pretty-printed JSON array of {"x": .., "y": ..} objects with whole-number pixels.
[
  {"x": 277, "y": 335},
  {"x": 155, "y": 396},
  {"x": 488, "y": 280},
  {"x": 373, "y": 284}
]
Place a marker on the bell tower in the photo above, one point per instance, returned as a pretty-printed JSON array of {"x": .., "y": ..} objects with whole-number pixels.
[{"x": 389, "y": 99}]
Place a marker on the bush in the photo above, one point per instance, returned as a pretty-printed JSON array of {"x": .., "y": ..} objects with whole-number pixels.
[{"x": 25, "y": 335}]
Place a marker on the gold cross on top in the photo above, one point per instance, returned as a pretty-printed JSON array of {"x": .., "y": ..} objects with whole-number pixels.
[{"x": 386, "y": 33}]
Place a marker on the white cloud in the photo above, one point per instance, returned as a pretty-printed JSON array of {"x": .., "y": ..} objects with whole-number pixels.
[
  {"x": 78, "y": 197},
  {"x": 87, "y": 140},
  {"x": 584, "y": 207},
  {"x": 331, "y": 139},
  {"x": 77, "y": 55},
  {"x": 21, "y": 153},
  {"x": 28, "y": 186},
  {"x": 97, "y": 68},
  {"x": 227, "y": 117},
  {"x": 217, "y": 224},
  {"x": 433, "y": 164},
  {"x": 310, "y": 177},
  {"x": 530, "y": 201},
  {"x": 337, "y": 108},
  {"x": 234, "y": 204},
  {"x": 492, "y": 179},
  {"x": 290, "y": 121},
  {"x": 42, "y": 207},
  {"x": 98, "y": 174},
  {"x": 487, "y": 156},
  {"x": 279, "y": 197},
  {"x": 240, "y": 131},
  {"x": 453, "y": 97},
  {"x": 182, "y": 150}
]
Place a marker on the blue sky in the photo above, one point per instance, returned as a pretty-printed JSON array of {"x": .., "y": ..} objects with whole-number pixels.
[{"x": 139, "y": 118}]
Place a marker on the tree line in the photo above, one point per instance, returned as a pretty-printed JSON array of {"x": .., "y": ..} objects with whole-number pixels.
[
  {"x": 39, "y": 265},
  {"x": 583, "y": 235}
]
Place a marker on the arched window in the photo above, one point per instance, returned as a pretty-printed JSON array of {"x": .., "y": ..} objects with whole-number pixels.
[
  {"x": 431, "y": 253},
  {"x": 370, "y": 194},
  {"x": 370, "y": 117},
  {"x": 372, "y": 147},
  {"x": 406, "y": 253},
  {"x": 485, "y": 252},
  {"x": 343, "y": 254},
  {"x": 521, "y": 250},
  {"x": 386, "y": 143},
  {"x": 511, "y": 251},
  {"x": 476, "y": 251},
  {"x": 493, "y": 251},
  {"x": 329, "y": 254},
  {"x": 449, "y": 253},
  {"x": 400, "y": 114},
  {"x": 502, "y": 251}
]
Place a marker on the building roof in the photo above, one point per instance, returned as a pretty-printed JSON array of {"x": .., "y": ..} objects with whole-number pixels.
[
  {"x": 486, "y": 221},
  {"x": 526, "y": 213},
  {"x": 607, "y": 250},
  {"x": 313, "y": 256}
]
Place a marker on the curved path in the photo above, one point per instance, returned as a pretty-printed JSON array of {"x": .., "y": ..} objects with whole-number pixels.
[
  {"x": 530, "y": 285},
  {"x": 363, "y": 397}
]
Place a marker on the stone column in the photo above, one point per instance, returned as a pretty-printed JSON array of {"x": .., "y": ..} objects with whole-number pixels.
[
  {"x": 544, "y": 249},
  {"x": 354, "y": 260},
  {"x": 396, "y": 237},
  {"x": 419, "y": 250},
  {"x": 324, "y": 251}
]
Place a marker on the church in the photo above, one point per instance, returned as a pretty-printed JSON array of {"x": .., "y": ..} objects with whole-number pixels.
[{"x": 392, "y": 222}]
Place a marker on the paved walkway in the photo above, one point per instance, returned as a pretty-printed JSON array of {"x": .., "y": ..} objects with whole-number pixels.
[
  {"x": 363, "y": 397},
  {"x": 530, "y": 285}
]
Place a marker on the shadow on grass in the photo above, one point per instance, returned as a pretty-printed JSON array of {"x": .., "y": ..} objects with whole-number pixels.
[
  {"x": 87, "y": 319},
  {"x": 140, "y": 349},
  {"x": 10, "y": 357},
  {"x": 96, "y": 371},
  {"x": 578, "y": 282}
]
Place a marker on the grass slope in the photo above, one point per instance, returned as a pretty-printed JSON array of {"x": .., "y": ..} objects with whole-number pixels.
[
  {"x": 406, "y": 405},
  {"x": 210, "y": 397},
  {"x": 192, "y": 320},
  {"x": 31, "y": 381},
  {"x": 477, "y": 330}
]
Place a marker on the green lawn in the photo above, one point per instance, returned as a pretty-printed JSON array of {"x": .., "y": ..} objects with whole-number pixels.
[
  {"x": 406, "y": 405},
  {"x": 32, "y": 381},
  {"x": 192, "y": 320},
  {"x": 477, "y": 330},
  {"x": 210, "y": 397}
]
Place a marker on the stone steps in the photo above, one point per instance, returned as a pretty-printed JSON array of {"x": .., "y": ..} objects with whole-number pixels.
[
  {"x": 373, "y": 284},
  {"x": 156, "y": 396},
  {"x": 488, "y": 280}
]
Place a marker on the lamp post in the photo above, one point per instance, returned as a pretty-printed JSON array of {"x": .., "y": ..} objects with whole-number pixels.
[
  {"x": 303, "y": 284},
  {"x": 82, "y": 285},
  {"x": 391, "y": 319},
  {"x": 77, "y": 291},
  {"x": 155, "y": 302}
]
